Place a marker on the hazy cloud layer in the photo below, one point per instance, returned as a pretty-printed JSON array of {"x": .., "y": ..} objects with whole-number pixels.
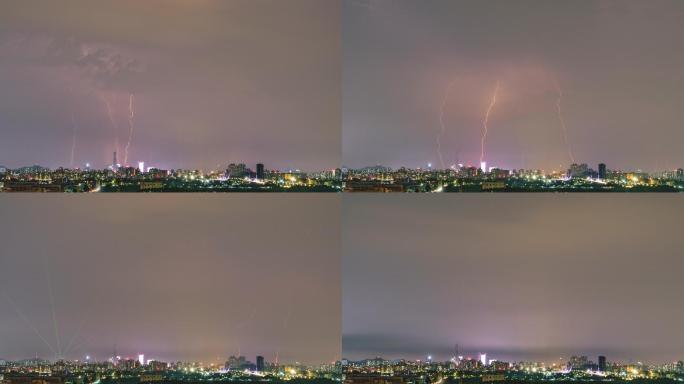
[
  {"x": 174, "y": 277},
  {"x": 617, "y": 63},
  {"x": 524, "y": 276}
]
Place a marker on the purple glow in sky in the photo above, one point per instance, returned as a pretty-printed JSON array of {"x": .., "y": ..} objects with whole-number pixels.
[
  {"x": 211, "y": 82},
  {"x": 520, "y": 277},
  {"x": 618, "y": 64}
]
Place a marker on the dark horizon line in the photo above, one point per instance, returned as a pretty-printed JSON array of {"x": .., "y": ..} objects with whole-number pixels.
[
  {"x": 517, "y": 360},
  {"x": 174, "y": 169},
  {"x": 357, "y": 168},
  {"x": 436, "y": 169},
  {"x": 163, "y": 360}
]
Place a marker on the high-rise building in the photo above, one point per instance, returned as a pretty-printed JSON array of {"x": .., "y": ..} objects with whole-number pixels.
[
  {"x": 578, "y": 363},
  {"x": 236, "y": 362},
  {"x": 602, "y": 171},
  {"x": 260, "y": 171},
  {"x": 579, "y": 171},
  {"x": 114, "y": 161},
  {"x": 259, "y": 359},
  {"x": 236, "y": 171},
  {"x": 601, "y": 359}
]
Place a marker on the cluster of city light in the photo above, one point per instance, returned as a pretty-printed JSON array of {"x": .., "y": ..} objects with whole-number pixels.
[
  {"x": 130, "y": 179},
  {"x": 91, "y": 371},
  {"x": 458, "y": 178},
  {"x": 578, "y": 177},
  {"x": 577, "y": 368}
]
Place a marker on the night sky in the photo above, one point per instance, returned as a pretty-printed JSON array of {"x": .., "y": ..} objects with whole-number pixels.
[
  {"x": 618, "y": 65},
  {"x": 314, "y": 84},
  {"x": 213, "y": 82},
  {"x": 173, "y": 277},
  {"x": 515, "y": 276}
]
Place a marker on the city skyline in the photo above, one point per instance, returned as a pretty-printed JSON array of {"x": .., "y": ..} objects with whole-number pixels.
[
  {"x": 479, "y": 355},
  {"x": 115, "y": 164},
  {"x": 484, "y": 368}
]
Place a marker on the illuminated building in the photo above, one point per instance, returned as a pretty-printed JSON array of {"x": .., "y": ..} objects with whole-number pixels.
[
  {"x": 237, "y": 362},
  {"x": 579, "y": 363},
  {"x": 115, "y": 164}
]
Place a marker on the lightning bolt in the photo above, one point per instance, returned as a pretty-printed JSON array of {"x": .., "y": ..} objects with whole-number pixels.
[
  {"x": 73, "y": 140},
  {"x": 442, "y": 130},
  {"x": 286, "y": 321},
  {"x": 564, "y": 130},
  {"x": 74, "y": 337},
  {"x": 240, "y": 326},
  {"x": 23, "y": 317},
  {"x": 492, "y": 103},
  {"x": 51, "y": 295},
  {"x": 112, "y": 121},
  {"x": 131, "y": 116}
]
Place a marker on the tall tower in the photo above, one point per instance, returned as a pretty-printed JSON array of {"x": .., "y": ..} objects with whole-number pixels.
[
  {"x": 602, "y": 363},
  {"x": 602, "y": 171},
  {"x": 114, "y": 360},
  {"x": 114, "y": 162}
]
